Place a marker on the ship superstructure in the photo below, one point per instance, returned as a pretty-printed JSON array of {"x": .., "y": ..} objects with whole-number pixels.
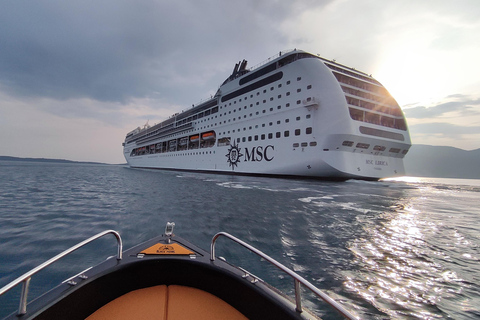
[{"x": 298, "y": 114}]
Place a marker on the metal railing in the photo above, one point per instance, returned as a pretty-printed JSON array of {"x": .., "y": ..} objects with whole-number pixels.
[
  {"x": 22, "y": 309},
  {"x": 297, "y": 278}
]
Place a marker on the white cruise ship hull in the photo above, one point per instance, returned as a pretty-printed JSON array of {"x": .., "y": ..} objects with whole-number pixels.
[{"x": 297, "y": 115}]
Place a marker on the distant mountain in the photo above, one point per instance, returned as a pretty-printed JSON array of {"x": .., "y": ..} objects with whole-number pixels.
[
  {"x": 7, "y": 158},
  {"x": 442, "y": 162}
]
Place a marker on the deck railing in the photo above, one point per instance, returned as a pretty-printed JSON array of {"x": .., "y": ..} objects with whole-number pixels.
[
  {"x": 297, "y": 278},
  {"x": 25, "y": 279}
]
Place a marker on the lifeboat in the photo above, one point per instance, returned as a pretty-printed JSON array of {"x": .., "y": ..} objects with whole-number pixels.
[
  {"x": 194, "y": 138},
  {"x": 208, "y": 135}
]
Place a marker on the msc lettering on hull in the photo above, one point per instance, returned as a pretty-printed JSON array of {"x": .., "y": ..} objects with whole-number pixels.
[
  {"x": 254, "y": 154},
  {"x": 258, "y": 154}
]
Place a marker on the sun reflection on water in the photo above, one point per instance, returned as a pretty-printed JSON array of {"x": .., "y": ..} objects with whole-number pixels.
[{"x": 395, "y": 273}]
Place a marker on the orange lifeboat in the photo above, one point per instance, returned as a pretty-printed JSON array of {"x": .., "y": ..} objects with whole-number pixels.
[
  {"x": 194, "y": 138},
  {"x": 208, "y": 135}
]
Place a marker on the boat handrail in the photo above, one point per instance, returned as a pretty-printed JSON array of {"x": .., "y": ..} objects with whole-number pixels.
[
  {"x": 22, "y": 309},
  {"x": 297, "y": 278}
]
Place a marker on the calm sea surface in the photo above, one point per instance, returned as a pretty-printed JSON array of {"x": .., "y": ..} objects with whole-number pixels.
[{"x": 405, "y": 249}]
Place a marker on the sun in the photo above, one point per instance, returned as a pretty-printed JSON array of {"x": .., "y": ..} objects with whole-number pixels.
[{"x": 413, "y": 74}]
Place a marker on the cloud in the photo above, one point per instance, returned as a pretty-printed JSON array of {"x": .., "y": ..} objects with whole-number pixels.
[
  {"x": 116, "y": 50},
  {"x": 464, "y": 105},
  {"x": 443, "y": 128}
]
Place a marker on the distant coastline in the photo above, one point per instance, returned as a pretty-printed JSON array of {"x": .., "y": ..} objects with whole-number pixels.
[
  {"x": 8, "y": 158},
  {"x": 421, "y": 161}
]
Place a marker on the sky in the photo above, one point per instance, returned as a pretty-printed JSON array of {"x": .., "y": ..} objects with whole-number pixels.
[{"x": 76, "y": 76}]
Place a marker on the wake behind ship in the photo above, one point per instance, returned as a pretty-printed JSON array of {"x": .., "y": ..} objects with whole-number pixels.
[{"x": 296, "y": 115}]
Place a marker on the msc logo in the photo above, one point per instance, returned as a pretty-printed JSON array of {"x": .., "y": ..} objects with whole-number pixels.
[{"x": 258, "y": 154}]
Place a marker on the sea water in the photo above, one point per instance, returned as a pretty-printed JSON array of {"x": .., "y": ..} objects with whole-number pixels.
[{"x": 395, "y": 249}]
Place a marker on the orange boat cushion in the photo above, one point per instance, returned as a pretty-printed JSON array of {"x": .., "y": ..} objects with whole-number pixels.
[
  {"x": 191, "y": 303},
  {"x": 167, "y": 303},
  {"x": 147, "y": 303}
]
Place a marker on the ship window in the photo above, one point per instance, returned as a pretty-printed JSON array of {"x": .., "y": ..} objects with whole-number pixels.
[
  {"x": 299, "y": 90},
  {"x": 262, "y": 137},
  {"x": 270, "y": 136},
  {"x": 363, "y": 145},
  {"x": 279, "y": 107},
  {"x": 278, "y": 134},
  {"x": 287, "y": 120},
  {"x": 279, "y": 96},
  {"x": 271, "y": 88},
  {"x": 309, "y": 87},
  {"x": 404, "y": 151},
  {"x": 299, "y": 101},
  {"x": 299, "y": 78},
  {"x": 224, "y": 141},
  {"x": 400, "y": 124},
  {"x": 288, "y": 105},
  {"x": 379, "y": 148},
  {"x": 256, "y": 138},
  {"x": 372, "y": 118},
  {"x": 288, "y": 93},
  {"x": 288, "y": 82},
  {"x": 286, "y": 133},
  {"x": 356, "y": 114},
  {"x": 297, "y": 132},
  {"x": 243, "y": 139},
  {"x": 280, "y": 85},
  {"x": 271, "y": 99},
  {"x": 296, "y": 145},
  {"x": 263, "y": 111},
  {"x": 271, "y": 109},
  {"x": 257, "y": 103},
  {"x": 264, "y": 101},
  {"x": 297, "y": 118},
  {"x": 308, "y": 116},
  {"x": 250, "y": 138},
  {"x": 270, "y": 123},
  {"x": 308, "y": 130},
  {"x": 278, "y": 121},
  {"x": 394, "y": 150},
  {"x": 313, "y": 143}
]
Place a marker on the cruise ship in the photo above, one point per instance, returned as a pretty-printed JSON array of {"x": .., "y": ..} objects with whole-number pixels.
[{"x": 295, "y": 115}]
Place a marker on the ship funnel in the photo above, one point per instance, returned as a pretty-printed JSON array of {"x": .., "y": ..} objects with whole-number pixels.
[
  {"x": 236, "y": 68},
  {"x": 243, "y": 66}
]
